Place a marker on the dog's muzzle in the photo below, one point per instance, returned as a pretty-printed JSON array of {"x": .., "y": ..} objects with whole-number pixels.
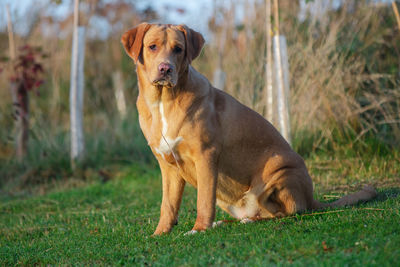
[{"x": 165, "y": 73}]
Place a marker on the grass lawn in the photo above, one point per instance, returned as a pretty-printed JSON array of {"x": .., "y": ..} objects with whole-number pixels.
[{"x": 111, "y": 223}]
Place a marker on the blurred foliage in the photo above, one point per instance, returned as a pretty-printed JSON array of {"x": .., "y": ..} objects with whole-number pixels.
[{"x": 27, "y": 69}]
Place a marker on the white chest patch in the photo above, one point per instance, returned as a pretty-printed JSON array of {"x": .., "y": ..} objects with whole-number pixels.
[{"x": 167, "y": 144}]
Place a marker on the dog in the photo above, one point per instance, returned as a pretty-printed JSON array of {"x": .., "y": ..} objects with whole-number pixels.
[{"x": 203, "y": 136}]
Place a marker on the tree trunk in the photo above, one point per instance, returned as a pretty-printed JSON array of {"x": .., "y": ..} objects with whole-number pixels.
[{"x": 22, "y": 110}]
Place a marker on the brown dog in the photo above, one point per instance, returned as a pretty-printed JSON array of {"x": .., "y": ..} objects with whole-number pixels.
[{"x": 201, "y": 135}]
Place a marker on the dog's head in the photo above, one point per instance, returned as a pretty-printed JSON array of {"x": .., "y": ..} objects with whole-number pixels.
[{"x": 163, "y": 50}]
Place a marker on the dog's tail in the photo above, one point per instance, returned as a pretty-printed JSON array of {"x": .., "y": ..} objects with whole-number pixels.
[{"x": 367, "y": 193}]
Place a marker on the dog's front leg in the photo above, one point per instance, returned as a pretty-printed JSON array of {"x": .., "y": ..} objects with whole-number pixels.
[
  {"x": 172, "y": 187},
  {"x": 206, "y": 170}
]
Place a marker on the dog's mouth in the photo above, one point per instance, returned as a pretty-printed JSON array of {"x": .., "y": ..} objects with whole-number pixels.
[{"x": 164, "y": 82}]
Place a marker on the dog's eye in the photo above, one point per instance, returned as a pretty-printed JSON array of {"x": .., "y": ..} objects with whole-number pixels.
[
  {"x": 153, "y": 47},
  {"x": 177, "y": 49}
]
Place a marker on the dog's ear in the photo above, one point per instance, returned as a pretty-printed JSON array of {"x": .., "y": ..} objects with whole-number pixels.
[
  {"x": 194, "y": 42},
  {"x": 133, "y": 40}
]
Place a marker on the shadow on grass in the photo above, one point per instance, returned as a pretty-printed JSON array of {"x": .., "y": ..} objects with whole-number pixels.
[{"x": 386, "y": 194}]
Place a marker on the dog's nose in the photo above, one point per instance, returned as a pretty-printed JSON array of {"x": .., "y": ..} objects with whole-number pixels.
[{"x": 165, "y": 68}]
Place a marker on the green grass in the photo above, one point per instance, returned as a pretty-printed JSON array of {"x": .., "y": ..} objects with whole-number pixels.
[{"x": 111, "y": 223}]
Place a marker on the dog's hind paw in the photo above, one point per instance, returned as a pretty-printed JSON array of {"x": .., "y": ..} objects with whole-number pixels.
[
  {"x": 246, "y": 220},
  {"x": 191, "y": 232}
]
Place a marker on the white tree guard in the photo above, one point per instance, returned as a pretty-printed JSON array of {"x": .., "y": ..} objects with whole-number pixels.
[
  {"x": 282, "y": 85},
  {"x": 76, "y": 93},
  {"x": 268, "y": 65},
  {"x": 118, "y": 85},
  {"x": 219, "y": 79}
]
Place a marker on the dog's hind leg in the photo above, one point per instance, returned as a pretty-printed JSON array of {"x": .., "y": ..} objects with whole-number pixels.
[{"x": 288, "y": 191}]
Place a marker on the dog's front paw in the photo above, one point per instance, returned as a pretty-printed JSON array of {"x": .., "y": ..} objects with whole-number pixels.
[
  {"x": 161, "y": 230},
  {"x": 217, "y": 223},
  {"x": 191, "y": 232}
]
